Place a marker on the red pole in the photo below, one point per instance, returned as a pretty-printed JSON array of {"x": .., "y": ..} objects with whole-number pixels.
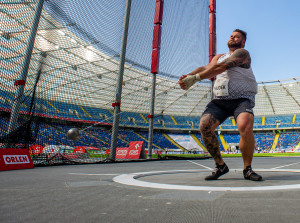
[
  {"x": 159, "y": 6},
  {"x": 212, "y": 31},
  {"x": 158, "y": 16}
]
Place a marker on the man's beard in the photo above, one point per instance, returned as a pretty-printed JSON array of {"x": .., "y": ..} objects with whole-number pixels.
[{"x": 234, "y": 45}]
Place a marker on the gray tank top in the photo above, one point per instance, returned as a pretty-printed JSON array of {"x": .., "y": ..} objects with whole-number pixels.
[{"x": 241, "y": 82}]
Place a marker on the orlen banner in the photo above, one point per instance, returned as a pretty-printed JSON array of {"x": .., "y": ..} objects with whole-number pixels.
[
  {"x": 121, "y": 153},
  {"x": 14, "y": 159},
  {"x": 136, "y": 150}
]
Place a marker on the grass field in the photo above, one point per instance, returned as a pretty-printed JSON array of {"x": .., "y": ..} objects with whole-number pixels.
[
  {"x": 195, "y": 156},
  {"x": 264, "y": 155},
  {"x": 203, "y": 155},
  {"x": 232, "y": 155}
]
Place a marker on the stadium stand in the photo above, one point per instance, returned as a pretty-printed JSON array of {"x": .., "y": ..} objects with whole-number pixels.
[
  {"x": 288, "y": 140},
  {"x": 100, "y": 138}
]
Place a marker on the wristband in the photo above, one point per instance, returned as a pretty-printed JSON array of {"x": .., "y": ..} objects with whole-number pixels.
[{"x": 190, "y": 80}]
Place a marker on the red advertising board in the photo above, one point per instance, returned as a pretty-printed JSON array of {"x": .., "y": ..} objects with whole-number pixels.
[
  {"x": 136, "y": 150},
  {"x": 36, "y": 149},
  {"x": 121, "y": 153},
  {"x": 79, "y": 149},
  {"x": 14, "y": 159}
]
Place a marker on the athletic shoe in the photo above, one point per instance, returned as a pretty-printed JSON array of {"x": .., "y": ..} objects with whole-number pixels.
[
  {"x": 219, "y": 171},
  {"x": 249, "y": 174}
]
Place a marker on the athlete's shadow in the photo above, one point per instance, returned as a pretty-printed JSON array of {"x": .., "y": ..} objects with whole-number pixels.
[
  {"x": 282, "y": 177},
  {"x": 269, "y": 177}
]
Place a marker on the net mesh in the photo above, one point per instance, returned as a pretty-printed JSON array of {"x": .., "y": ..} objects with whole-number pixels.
[
  {"x": 72, "y": 78},
  {"x": 73, "y": 72}
]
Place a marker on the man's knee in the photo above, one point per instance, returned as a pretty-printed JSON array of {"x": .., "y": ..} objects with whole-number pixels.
[
  {"x": 245, "y": 129},
  {"x": 245, "y": 123},
  {"x": 208, "y": 123}
]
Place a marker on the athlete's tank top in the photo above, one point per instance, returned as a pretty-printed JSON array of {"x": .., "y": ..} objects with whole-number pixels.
[{"x": 241, "y": 83}]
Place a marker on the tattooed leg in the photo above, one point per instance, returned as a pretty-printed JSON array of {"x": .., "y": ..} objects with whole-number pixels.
[{"x": 208, "y": 124}]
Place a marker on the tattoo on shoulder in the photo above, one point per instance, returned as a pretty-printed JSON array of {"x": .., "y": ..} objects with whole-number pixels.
[{"x": 240, "y": 58}]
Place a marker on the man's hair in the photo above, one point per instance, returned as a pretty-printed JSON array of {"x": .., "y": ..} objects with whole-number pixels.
[{"x": 244, "y": 34}]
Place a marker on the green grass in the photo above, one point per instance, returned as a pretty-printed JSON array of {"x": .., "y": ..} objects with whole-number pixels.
[
  {"x": 154, "y": 156},
  {"x": 233, "y": 155},
  {"x": 263, "y": 155},
  {"x": 98, "y": 156}
]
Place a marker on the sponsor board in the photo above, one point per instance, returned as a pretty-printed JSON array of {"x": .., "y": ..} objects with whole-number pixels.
[
  {"x": 36, "y": 149},
  {"x": 14, "y": 159},
  {"x": 79, "y": 149},
  {"x": 121, "y": 153},
  {"x": 136, "y": 150}
]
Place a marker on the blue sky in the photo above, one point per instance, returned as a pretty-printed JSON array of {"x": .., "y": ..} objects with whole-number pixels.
[{"x": 273, "y": 34}]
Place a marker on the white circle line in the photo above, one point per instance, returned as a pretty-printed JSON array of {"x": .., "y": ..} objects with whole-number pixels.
[{"x": 132, "y": 180}]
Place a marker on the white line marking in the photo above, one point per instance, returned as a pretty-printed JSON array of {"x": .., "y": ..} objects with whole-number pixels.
[
  {"x": 94, "y": 174},
  {"x": 200, "y": 165},
  {"x": 131, "y": 179},
  {"x": 285, "y": 165}
]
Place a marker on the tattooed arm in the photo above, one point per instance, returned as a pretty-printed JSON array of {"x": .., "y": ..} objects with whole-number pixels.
[
  {"x": 202, "y": 69},
  {"x": 239, "y": 58},
  {"x": 194, "y": 76}
]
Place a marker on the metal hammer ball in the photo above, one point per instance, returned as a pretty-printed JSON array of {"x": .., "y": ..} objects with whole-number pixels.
[{"x": 73, "y": 134}]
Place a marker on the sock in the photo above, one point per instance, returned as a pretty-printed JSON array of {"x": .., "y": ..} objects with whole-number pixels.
[
  {"x": 248, "y": 167},
  {"x": 218, "y": 165}
]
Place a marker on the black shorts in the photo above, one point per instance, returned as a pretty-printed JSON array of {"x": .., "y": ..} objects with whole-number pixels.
[{"x": 222, "y": 109}]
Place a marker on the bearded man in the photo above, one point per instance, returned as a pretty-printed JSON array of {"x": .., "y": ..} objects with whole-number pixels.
[{"x": 234, "y": 95}]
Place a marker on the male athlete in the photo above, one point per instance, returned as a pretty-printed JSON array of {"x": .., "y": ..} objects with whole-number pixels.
[{"x": 234, "y": 90}]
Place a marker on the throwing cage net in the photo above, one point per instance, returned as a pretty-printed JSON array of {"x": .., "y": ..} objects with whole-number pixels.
[{"x": 69, "y": 78}]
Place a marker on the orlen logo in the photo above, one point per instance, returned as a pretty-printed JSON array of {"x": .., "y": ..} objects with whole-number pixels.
[
  {"x": 133, "y": 152},
  {"x": 122, "y": 152},
  {"x": 16, "y": 159}
]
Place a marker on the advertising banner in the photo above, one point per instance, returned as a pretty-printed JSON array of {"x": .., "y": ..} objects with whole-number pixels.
[
  {"x": 14, "y": 159},
  {"x": 136, "y": 150}
]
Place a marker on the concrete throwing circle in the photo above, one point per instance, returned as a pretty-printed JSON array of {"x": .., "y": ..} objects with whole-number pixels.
[{"x": 132, "y": 180}]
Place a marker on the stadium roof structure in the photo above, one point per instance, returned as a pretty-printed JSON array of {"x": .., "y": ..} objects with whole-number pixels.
[{"x": 77, "y": 72}]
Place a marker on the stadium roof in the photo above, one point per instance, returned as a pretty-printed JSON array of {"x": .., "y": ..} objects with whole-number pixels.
[{"x": 76, "y": 72}]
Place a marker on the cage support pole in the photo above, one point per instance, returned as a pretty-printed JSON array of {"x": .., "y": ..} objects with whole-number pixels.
[
  {"x": 117, "y": 103},
  {"x": 158, "y": 15},
  {"x": 151, "y": 117},
  {"x": 212, "y": 36},
  {"x": 22, "y": 80}
]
